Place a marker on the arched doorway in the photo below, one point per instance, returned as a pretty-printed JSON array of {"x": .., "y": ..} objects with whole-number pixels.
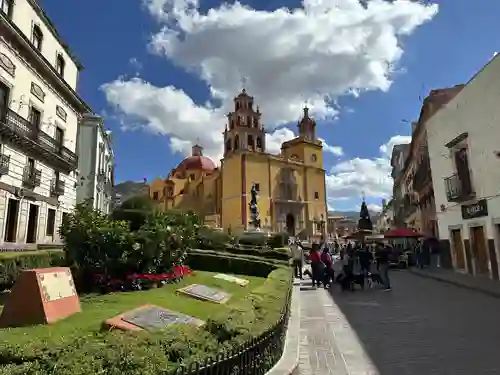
[{"x": 290, "y": 224}]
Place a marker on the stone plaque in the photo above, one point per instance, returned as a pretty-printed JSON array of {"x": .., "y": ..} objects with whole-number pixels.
[
  {"x": 232, "y": 279},
  {"x": 7, "y": 64},
  {"x": 40, "y": 296},
  {"x": 37, "y": 91},
  {"x": 61, "y": 113},
  {"x": 206, "y": 293},
  {"x": 155, "y": 318},
  {"x": 56, "y": 285}
]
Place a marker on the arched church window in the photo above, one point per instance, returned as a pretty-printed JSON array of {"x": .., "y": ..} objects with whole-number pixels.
[
  {"x": 249, "y": 121},
  {"x": 232, "y": 125},
  {"x": 239, "y": 121},
  {"x": 250, "y": 142},
  {"x": 228, "y": 145},
  {"x": 236, "y": 142},
  {"x": 237, "y": 105},
  {"x": 255, "y": 122}
]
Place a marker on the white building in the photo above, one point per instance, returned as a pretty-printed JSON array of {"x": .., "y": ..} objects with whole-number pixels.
[
  {"x": 385, "y": 220},
  {"x": 95, "y": 164},
  {"x": 39, "y": 112},
  {"x": 464, "y": 140}
]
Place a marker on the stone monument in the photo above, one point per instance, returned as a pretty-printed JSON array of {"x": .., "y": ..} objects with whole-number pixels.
[
  {"x": 41, "y": 296},
  {"x": 254, "y": 210}
]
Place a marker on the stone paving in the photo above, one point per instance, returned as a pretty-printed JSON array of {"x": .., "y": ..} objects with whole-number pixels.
[{"x": 422, "y": 327}]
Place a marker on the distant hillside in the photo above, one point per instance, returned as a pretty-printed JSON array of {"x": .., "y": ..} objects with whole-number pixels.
[
  {"x": 128, "y": 189},
  {"x": 352, "y": 214}
]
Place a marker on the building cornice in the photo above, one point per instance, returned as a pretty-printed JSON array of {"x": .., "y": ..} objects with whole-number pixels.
[
  {"x": 48, "y": 23},
  {"x": 44, "y": 67}
]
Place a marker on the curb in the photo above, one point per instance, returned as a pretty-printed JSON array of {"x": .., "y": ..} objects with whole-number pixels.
[
  {"x": 456, "y": 283},
  {"x": 289, "y": 361}
]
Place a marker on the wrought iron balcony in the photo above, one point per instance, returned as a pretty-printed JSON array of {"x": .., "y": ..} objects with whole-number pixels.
[
  {"x": 4, "y": 164},
  {"x": 19, "y": 131},
  {"x": 57, "y": 187},
  {"x": 458, "y": 190},
  {"x": 32, "y": 177}
]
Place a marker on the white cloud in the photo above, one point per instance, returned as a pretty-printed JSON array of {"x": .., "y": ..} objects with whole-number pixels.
[
  {"x": 374, "y": 208},
  {"x": 369, "y": 177},
  {"x": 335, "y": 150},
  {"x": 322, "y": 50}
]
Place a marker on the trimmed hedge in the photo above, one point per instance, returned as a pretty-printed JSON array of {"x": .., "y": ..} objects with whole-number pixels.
[
  {"x": 119, "y": 353},
  {"x": 13, "y": 263},
  {"x": 255, "y": 252},
  {"x": 212, "y": 261}
]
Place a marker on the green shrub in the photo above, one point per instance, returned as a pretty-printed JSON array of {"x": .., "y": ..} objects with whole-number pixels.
[
  {"x": 212, "y": 239},
  {"x": 212, "y": 261},
  {"x": 162, "y": 352},
  {"x": 278, "y": 240},
  {"x": 252, "y": 239},
  {"x": 135, "y": 211},
  {"x": 259, "y": 252},
  {"x": 13, "y": 263}
]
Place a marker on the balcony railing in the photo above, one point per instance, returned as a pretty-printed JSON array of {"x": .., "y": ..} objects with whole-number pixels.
[
  {"x": 458, "y": 190},
  {"x": 4, "y": 164},
  {"x": 18, "y": 130},
  {"x": 57, "y": 187},
  {"x": 32, "y": 177}
]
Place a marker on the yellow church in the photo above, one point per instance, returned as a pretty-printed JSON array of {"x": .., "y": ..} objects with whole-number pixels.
[{"x": 291, "y": 186}]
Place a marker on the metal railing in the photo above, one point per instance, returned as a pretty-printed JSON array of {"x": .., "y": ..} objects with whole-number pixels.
[
  {"x": 32, "y": 177},
  {"x": 255, "y": 357},
  {"x": 57, "y": 187},
  {"x": 12, "y": 123},
  {"x": 4, "y": 164},
  {"x": 457, "y": 189}
]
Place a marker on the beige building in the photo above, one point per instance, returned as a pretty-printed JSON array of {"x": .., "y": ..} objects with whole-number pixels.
[{"x": 39, "y": 112}]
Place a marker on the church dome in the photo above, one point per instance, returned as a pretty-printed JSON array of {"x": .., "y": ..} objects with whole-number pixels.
[{"x": 196, "y": 162}]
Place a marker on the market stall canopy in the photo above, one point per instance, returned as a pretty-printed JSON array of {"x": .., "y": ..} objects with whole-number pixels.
[{"x": 402, "y": 233}]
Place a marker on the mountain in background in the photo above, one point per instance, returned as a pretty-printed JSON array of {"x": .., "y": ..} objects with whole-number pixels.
[
  {"x": 128, "y": 189},
  {"x": 354, "y": 215}
]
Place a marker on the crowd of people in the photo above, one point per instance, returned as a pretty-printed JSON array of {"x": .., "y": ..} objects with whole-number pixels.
[{"x": 350, "y": 265}]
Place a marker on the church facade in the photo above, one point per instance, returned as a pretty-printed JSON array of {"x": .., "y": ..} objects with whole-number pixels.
[{"x": 291, "y": 185}]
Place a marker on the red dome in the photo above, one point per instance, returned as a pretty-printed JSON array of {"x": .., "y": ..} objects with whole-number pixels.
[{"x": 199, "y": 163}]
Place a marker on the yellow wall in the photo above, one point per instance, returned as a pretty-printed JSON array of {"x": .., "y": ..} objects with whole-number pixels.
[{"x": 231, "y": 193}]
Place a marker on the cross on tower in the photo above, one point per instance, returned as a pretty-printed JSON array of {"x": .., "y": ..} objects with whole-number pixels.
[{"x": 243, "y": 82}]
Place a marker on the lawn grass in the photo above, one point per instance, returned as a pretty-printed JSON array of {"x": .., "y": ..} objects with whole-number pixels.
[
  {"x": 97, "y": 308},
  {"x": 15, "y": 254}
]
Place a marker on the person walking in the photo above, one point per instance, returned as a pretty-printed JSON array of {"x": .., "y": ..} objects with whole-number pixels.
[
  {"x": 327, "y": 260},
  {"x": 298, "y": 257},
  {"x": 382, "y": 255},
  {"x": 317, "y": 266}
]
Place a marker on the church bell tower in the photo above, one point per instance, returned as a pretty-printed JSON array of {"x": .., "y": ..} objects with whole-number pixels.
[{"x": 244, "y": 130}]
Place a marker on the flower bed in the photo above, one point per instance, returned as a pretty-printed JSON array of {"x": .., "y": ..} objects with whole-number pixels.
[{"x": 138, "y": 281}]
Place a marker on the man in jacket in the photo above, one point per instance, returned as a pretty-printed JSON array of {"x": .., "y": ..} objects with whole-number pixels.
[{"x": 298, "y": 257}]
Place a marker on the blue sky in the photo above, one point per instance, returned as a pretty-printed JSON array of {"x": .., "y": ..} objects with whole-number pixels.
[{"x": 156, "y": 97}]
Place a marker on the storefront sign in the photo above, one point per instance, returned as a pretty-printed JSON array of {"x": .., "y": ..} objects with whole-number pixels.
[{"x": 475, "y": 210}]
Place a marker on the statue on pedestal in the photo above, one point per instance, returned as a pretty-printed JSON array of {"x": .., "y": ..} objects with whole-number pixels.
[{"x": 254, "y": 211}]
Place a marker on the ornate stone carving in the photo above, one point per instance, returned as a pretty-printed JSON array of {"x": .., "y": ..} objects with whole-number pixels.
[
  {"x": 61, "y": 113},
  {"x": 7, "y": 64},
  {"x": 37, "y": 91}
]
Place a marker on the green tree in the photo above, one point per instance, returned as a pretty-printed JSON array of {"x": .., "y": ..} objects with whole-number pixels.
[
  {"x": 135, "y": 211},
  {"x": 365, "y": 222}
]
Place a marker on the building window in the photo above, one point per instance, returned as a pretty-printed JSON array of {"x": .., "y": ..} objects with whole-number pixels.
[
  {"x": 7, "y": 7},
  {"x": 314, "y": 157},
  {"x": 35, "y": 117},
  {"x": 37, "y": 37},
  {"x": 60, "y": 65},
  {"x": 192, "y": 176},
  {"x": 155, "y": 196},
  {"x": 257, "y": 186},
  {"x": 316, "y": 195},
  {"x": 51, "y": 221}
]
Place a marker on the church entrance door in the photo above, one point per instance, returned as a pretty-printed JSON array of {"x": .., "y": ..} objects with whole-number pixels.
[{"x": 290, "y": 224}]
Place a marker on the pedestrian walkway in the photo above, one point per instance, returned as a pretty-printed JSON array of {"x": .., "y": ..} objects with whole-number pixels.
[
  {"x": 328, "y": 344},
  {"x": 478, "y": 283}
]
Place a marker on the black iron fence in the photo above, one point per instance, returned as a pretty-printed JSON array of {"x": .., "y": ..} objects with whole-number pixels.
[{"x": 255, "y": 357}]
